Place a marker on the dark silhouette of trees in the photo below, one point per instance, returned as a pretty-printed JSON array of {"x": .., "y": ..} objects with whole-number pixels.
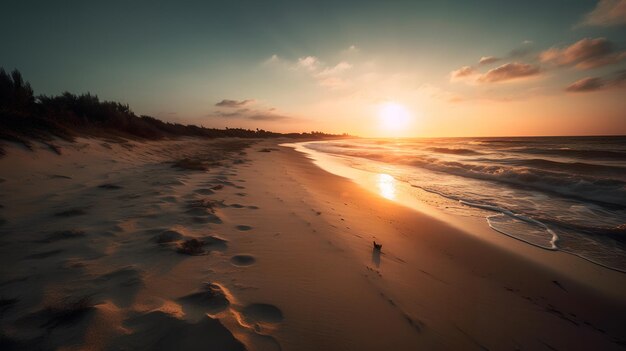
[
  {"x": 24, "y": 117},
  {"x": 15, "y": 94}
]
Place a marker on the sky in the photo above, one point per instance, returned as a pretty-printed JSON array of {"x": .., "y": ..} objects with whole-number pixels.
[{"x": 368, "y": 68}]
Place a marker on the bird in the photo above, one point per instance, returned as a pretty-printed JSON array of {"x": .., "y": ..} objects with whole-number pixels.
[{"x": 377, "y": 247}]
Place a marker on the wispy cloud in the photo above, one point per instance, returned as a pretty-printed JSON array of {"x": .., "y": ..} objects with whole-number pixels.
[
  {"x": 256, "y": 115},
  {"x": 236, "y": 109},
  {"x": 271, "y": 60},
  {"x": 310, "y": 63},
  {"x": 509, "y": 71},
  {"x": 462, "y": 73},
  {"x": 234, "y": 103},
  {"x": 329, "y": 76},
  {"x": 590, "y": 84},
  {"x": 607, "y": 13},
  {"x": 586, "y": 84},
  {"x": 506, "y": 72},
  {"x": 485, "y": 60},
  {"x": 337, "y": 69},
  {"x": 584, "y": 54},
  {"x": 267, "y": 116}
]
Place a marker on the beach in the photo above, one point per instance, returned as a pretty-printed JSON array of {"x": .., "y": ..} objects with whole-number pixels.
[{"x": 233, "y": 244}]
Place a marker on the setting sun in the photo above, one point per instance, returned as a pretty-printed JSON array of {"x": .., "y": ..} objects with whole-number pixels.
[{"x": 393, "y": 116}]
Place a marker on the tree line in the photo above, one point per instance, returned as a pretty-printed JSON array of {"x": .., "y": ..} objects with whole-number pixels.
[{"x": 24, "y": 117}]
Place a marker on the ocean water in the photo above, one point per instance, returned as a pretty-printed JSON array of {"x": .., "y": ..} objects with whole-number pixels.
[{"x": 557, "y": 193}]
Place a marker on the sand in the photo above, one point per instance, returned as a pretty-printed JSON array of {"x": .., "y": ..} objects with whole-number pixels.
[{"x": 235, "y": 244}]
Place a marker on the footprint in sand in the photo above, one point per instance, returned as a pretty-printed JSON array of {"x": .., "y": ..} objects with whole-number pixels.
[
  {"x": 242, "y": 260},
  {"x": 211, "y": 297},
  {"x": 237, "y": 206},
  {"x": 168, "y": 236},
  {"x": 202, "y": 246},
  {"x": 243, "y": 228},
  {"x": 241, "y": 194},
  {"x": 158, "y": 330},
  {"x": 120, "y": 285}
]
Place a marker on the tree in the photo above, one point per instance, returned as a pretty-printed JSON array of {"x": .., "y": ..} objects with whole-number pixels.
[{"x": 15, "y": 94}]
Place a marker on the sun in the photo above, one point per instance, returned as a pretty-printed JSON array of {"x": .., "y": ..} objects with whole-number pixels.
[{"x": 393, "y": 116}]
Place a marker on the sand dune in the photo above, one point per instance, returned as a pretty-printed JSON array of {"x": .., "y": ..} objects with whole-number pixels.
[{"x": 236, "y": 244}]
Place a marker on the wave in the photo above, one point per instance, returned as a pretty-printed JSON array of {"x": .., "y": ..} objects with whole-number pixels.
[
  {"x": 575, "y": 153},
  {"x": 572, "y": 200},
  {"x": 604, "y": 190},
  {"x": 542, "y": 232},
  {"x": 445, "y": 150},
  {"x": 564, "y": 166},
  {"x": 504, "y": 141}
]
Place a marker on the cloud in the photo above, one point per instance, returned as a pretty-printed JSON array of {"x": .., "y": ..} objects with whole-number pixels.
[
  {"x": 273, "y": 59},
  {"x": 234, "y": 103},
  {"x": 584, "y": 54},
  {"x": 256, "y": 115},
  {"x": 586, "y": 84},
  {"x": 351, "y": 49},
  {"x": 607, "y": 13},
  {"x": 590, "y": 84},
  {"x": 620, "y": 78},
  {"x": 268, "y": 114},
  {"x": 326, "y": 76},
  {"x": 506, "y": 72},
  {"x": 485, "y": 60},
  {"x": 337, "y": 69},
  {"x": 509, "y": 71},
  {"x": 309, "y": 62},
  {"x": 462, "y": 73},
  {"x": 521, "y": 52}
]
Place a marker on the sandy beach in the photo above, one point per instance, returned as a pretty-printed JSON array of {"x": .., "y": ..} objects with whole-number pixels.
[{"x": 233, "y": 244}]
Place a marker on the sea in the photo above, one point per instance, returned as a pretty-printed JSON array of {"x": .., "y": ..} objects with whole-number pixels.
[{"x": 557, "y": 193}]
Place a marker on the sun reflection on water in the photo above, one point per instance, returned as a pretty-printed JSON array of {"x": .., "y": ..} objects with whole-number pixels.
[{"x": 386, "y": 186}]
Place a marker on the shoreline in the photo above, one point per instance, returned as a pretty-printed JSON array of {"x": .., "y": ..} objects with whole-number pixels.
[
  {"x": 291, "y": 255},
  {"x": 476, "y": 224},
  {"x": 542, "y": 270}
]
